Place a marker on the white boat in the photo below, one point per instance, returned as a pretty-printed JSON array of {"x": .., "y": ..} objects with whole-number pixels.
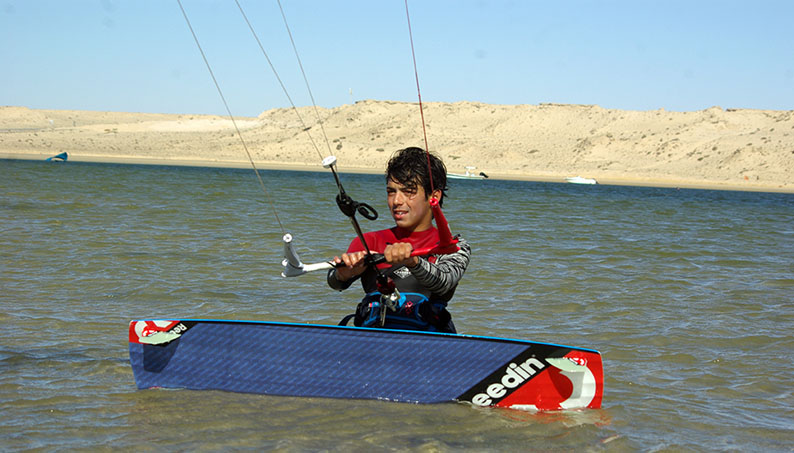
[
  {"x": 580, "y": 180},
  {"x": 468, "y": 175}
]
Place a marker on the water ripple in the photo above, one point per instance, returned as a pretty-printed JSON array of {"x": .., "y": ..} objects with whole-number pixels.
[{"x": 687, "y": 294}]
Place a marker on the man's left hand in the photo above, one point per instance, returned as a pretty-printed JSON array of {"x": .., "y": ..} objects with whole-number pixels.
[{"x": 400, "y": 254}]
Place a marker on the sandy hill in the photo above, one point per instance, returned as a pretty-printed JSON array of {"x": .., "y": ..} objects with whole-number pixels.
[{"x": 751, "y": 149}]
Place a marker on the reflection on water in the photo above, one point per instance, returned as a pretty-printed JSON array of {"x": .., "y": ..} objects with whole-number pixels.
[{"x": 686, "y": 293}]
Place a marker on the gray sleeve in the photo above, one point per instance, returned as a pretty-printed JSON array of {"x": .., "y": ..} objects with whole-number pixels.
[
  {"x": 337, "y": 284},
  {"x": 443, "y": 276}
]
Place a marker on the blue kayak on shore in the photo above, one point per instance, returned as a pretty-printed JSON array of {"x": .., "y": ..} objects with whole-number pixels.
[{"x": 62, "y": 157}]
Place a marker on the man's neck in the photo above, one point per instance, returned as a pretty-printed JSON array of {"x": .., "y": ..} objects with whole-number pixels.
[{"x": 405, "y": 232}]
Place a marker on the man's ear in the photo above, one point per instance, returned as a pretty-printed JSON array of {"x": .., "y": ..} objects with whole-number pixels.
[{"x": 437, "y": 194}]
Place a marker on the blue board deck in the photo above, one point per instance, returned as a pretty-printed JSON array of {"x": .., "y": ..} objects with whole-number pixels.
[{"x": 351, "y": 362}]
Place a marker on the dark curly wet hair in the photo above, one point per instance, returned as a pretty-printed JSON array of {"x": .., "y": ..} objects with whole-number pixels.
[{"x": 409, "y": 167}]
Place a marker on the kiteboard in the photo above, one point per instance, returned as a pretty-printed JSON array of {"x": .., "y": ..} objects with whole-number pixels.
[{"x": 310, "y": 360}]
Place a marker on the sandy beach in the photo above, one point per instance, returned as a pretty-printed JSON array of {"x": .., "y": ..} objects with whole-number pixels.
[{"x": 714, "y": 148}]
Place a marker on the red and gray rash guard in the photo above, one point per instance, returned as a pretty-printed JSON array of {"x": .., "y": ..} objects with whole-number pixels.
[{"x": 436, "y": 276}]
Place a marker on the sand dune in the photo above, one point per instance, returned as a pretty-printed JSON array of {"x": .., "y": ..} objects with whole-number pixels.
[{"x": 735, "y": 149}]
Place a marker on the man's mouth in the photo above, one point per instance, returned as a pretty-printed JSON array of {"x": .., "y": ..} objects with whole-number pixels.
[{"x": 398, "y": 214}]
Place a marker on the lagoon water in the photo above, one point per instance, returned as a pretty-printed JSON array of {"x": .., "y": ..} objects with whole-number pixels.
[{"x": 688, "y": 294}]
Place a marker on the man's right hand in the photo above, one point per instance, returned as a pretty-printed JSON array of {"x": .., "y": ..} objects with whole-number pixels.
[{"x": 353, "y": 265}]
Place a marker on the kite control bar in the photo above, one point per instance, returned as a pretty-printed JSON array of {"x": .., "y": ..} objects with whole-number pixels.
[{"x": 293, "y": 266}]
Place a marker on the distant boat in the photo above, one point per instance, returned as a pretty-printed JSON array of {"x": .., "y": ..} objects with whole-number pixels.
[
  {"x": 580, "y": 180},
  {"x": 468, "y": 175},
  {"x": 58, "y": 158}
]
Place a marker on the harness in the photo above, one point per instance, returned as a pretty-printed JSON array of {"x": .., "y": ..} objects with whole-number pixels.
[{"x": 409, "y": 311}]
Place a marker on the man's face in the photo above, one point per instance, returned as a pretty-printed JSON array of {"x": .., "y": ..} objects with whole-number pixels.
[{"x": 409, "y": 207}]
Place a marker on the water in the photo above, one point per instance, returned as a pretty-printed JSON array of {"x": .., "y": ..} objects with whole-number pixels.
[{"x": 687, "y": 294}]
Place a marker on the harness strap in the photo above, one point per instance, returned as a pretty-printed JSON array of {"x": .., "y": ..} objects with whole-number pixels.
[{"x": 347, "y": 319}]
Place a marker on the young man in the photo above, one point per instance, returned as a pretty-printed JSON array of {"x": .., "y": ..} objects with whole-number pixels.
[{"x": 426, "y": 283}]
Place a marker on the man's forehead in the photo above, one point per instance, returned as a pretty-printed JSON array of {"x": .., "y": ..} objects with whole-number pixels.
[{"x": 392, "y": 183}]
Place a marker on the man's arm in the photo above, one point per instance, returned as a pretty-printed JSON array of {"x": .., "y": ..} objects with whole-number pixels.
[
  {"x": 443, "y": 276},
  {"x": 350, "y": 266},
  {"x": 335, "y": 283}
]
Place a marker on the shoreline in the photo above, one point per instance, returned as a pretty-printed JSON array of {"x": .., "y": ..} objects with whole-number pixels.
[
  {"x": 666, "y": 183},
  {"x": 715, "y": 148}
]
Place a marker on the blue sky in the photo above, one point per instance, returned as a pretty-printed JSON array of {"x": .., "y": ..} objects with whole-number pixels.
[{"x": 138, "y": 55}]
